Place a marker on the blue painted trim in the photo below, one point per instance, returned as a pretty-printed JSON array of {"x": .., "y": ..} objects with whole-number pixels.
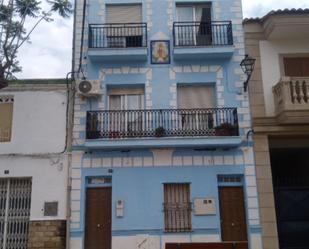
[
  {"x": 117, "y": 55},
  {"x": 76, "y": 234},
  {"x": 198, "y": 53},
  {"x": 80, "y": 233},
  {"x": 162, "y": 232},
  {"x": 255, "y": 229},
  {"x": 204, "y": 142},
  {"x": 88, "y": 172}
]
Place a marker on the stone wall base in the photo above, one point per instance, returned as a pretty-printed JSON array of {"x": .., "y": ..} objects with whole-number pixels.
[{"x": 47, "y": 234}]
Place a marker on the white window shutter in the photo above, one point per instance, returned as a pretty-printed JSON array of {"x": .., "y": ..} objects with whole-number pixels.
[
  {"x": 124, "y": 13},
  {"x": 195, "y": 97}
]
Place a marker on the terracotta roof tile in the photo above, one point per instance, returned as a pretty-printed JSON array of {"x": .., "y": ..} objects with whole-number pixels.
[{"x": 276, "y": 12}]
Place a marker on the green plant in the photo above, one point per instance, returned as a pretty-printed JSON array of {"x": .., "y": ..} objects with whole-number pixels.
[
  {"x": 225, "y": 125},
  {"x": 160, "y": 131},
  {"x": 226, "y": 129}
]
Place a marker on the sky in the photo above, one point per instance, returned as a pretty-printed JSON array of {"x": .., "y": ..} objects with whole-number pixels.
[{"x": 50, "y": 51}]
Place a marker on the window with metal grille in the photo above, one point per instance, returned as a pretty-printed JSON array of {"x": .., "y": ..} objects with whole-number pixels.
[
  {"x": 177, "y": 207},
  {"x": 6, "y": 117},
  {"x": 229, "y": 179},
  {"x": 15, "y": 201}
]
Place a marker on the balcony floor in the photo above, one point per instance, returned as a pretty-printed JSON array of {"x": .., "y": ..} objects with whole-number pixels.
[
  {"x": 187, "y": 53},
  {"x": 117, "y": 54},
  {"x": 168, "y": 142}
]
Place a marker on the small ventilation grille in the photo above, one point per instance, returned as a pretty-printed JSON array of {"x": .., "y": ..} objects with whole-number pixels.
[
  {"x": 51, "y": 208},
  {"x": 99, "y": 180},
  {"x": 236, "y": 179}
]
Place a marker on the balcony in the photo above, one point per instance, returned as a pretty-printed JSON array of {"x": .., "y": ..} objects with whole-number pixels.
[
  {"x": 118, "y": 42},
  {"x": 217, "y": 127},
  {"x": 291, "y": 96},
  {"x": 194, "y": 40}
]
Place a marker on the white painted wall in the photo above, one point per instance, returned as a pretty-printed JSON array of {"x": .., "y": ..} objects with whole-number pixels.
[
  {"x": 39, "y": 123},
  {"x": 270, "y": 61},
  {"x": 49, "y": 181}
]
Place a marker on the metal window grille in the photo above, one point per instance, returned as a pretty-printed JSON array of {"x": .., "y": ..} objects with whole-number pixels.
[
  {"x": 15, "y": 200},
  {"x": 177, "y": 207},
  {"x": 229, "y": 178}
]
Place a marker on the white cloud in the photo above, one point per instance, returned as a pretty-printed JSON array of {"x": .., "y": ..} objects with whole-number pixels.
[
  {"x": 258, "y": 8},
  {"x": 49, "y": 54},
  {"x": 50, "y": 51}
]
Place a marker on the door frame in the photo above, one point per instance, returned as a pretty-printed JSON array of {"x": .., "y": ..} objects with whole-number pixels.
[
  {"x": 96, "y": 186},
  {"x": 241, "y": 184},
  {"x": 86, "y": 175}
]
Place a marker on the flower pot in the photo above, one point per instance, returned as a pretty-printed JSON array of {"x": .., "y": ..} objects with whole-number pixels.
[{"x": 159, "y": 132}]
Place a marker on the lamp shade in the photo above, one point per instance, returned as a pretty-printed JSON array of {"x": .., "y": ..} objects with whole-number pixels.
[{"x": 247, "y": 65}]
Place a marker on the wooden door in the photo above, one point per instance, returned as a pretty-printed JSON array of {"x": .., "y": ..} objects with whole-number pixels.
[
  {"x": 296, "y": 67},
  {"x": 98, "y": 218},
  {"x": 232, "y": 212}
]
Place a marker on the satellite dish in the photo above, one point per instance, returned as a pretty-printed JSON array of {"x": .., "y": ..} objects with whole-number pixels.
[{"x": 84, "y": 86}]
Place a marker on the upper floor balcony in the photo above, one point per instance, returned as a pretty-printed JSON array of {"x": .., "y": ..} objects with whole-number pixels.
[
  {"x": 194, "y": 40},
  {"x": 291, "y": 96},
  {"x": 118, "y": 42},
  {"x": 212, "y": 127}
]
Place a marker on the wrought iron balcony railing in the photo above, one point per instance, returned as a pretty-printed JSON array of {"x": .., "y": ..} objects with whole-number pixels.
[
  {"x": 118, "y": 35},
  {"x": 162, "y": 123},
  {"x": 192, "y": 34}
]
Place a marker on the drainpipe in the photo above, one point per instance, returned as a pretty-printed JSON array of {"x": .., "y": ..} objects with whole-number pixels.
[{"x": 70, "y": 118}]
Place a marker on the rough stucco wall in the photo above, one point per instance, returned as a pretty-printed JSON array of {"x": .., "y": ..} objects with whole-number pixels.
[
  {"x": 39, "y": 123},
  {"x": 49, "y": 181}
]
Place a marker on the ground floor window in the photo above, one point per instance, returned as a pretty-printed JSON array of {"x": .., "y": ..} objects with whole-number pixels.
[
  {"x": 15, "y": 200},
  {"x": 177, "y": 207}
]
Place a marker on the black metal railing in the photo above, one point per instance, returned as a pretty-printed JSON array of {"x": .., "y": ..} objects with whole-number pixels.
[
  {"x": 162, "y": 123},
  {"x": 118, "y": 35},
  {"x": 202, "y": 34}
]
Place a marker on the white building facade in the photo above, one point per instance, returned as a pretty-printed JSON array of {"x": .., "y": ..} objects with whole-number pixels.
[{"x": 33, "y": 165}]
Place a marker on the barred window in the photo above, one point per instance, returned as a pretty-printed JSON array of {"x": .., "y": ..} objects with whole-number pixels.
[{"x": 177, "y": 207}]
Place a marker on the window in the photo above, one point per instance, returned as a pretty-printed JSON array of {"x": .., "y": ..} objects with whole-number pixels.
[
  {"x": 126, "y": 98},
  {"x": 177, "y": 207},
  {"x": 196, "y": 97},
  {"x": 125, "y": 29},
  {"x": 296, "y": 66},
  {"x": 130, "y": 100},
  {"x": 196, "y": 28},
  {"x": 6, "y": 117}
]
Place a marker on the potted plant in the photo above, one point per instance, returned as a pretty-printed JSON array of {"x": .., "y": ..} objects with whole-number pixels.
[
  {"x": 226, "y": 129},
  {"x": 160, "y": 131}
]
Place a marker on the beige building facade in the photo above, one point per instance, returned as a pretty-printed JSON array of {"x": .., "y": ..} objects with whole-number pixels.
[{"x": 279, "y": 99}]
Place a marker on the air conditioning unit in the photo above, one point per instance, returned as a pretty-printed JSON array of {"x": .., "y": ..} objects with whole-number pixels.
[{"x": 89, "y": 88}]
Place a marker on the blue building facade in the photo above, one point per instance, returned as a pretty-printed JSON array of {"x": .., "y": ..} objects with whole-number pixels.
[{"x": 162, "y": 154}]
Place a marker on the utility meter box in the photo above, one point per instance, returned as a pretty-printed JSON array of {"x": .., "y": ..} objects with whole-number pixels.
[
  {"x": 204, "y": 206},
  {"x": 119, "y": 208}
]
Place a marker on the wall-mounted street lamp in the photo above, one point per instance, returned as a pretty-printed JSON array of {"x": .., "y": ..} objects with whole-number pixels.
[{"x": 247, "y": 65}]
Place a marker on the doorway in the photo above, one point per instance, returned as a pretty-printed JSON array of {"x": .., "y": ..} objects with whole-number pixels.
[
  {"x": 98, "y": 218},
  {"x": 290, "y": 174},
  {"x": 232, "y": 213}
]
